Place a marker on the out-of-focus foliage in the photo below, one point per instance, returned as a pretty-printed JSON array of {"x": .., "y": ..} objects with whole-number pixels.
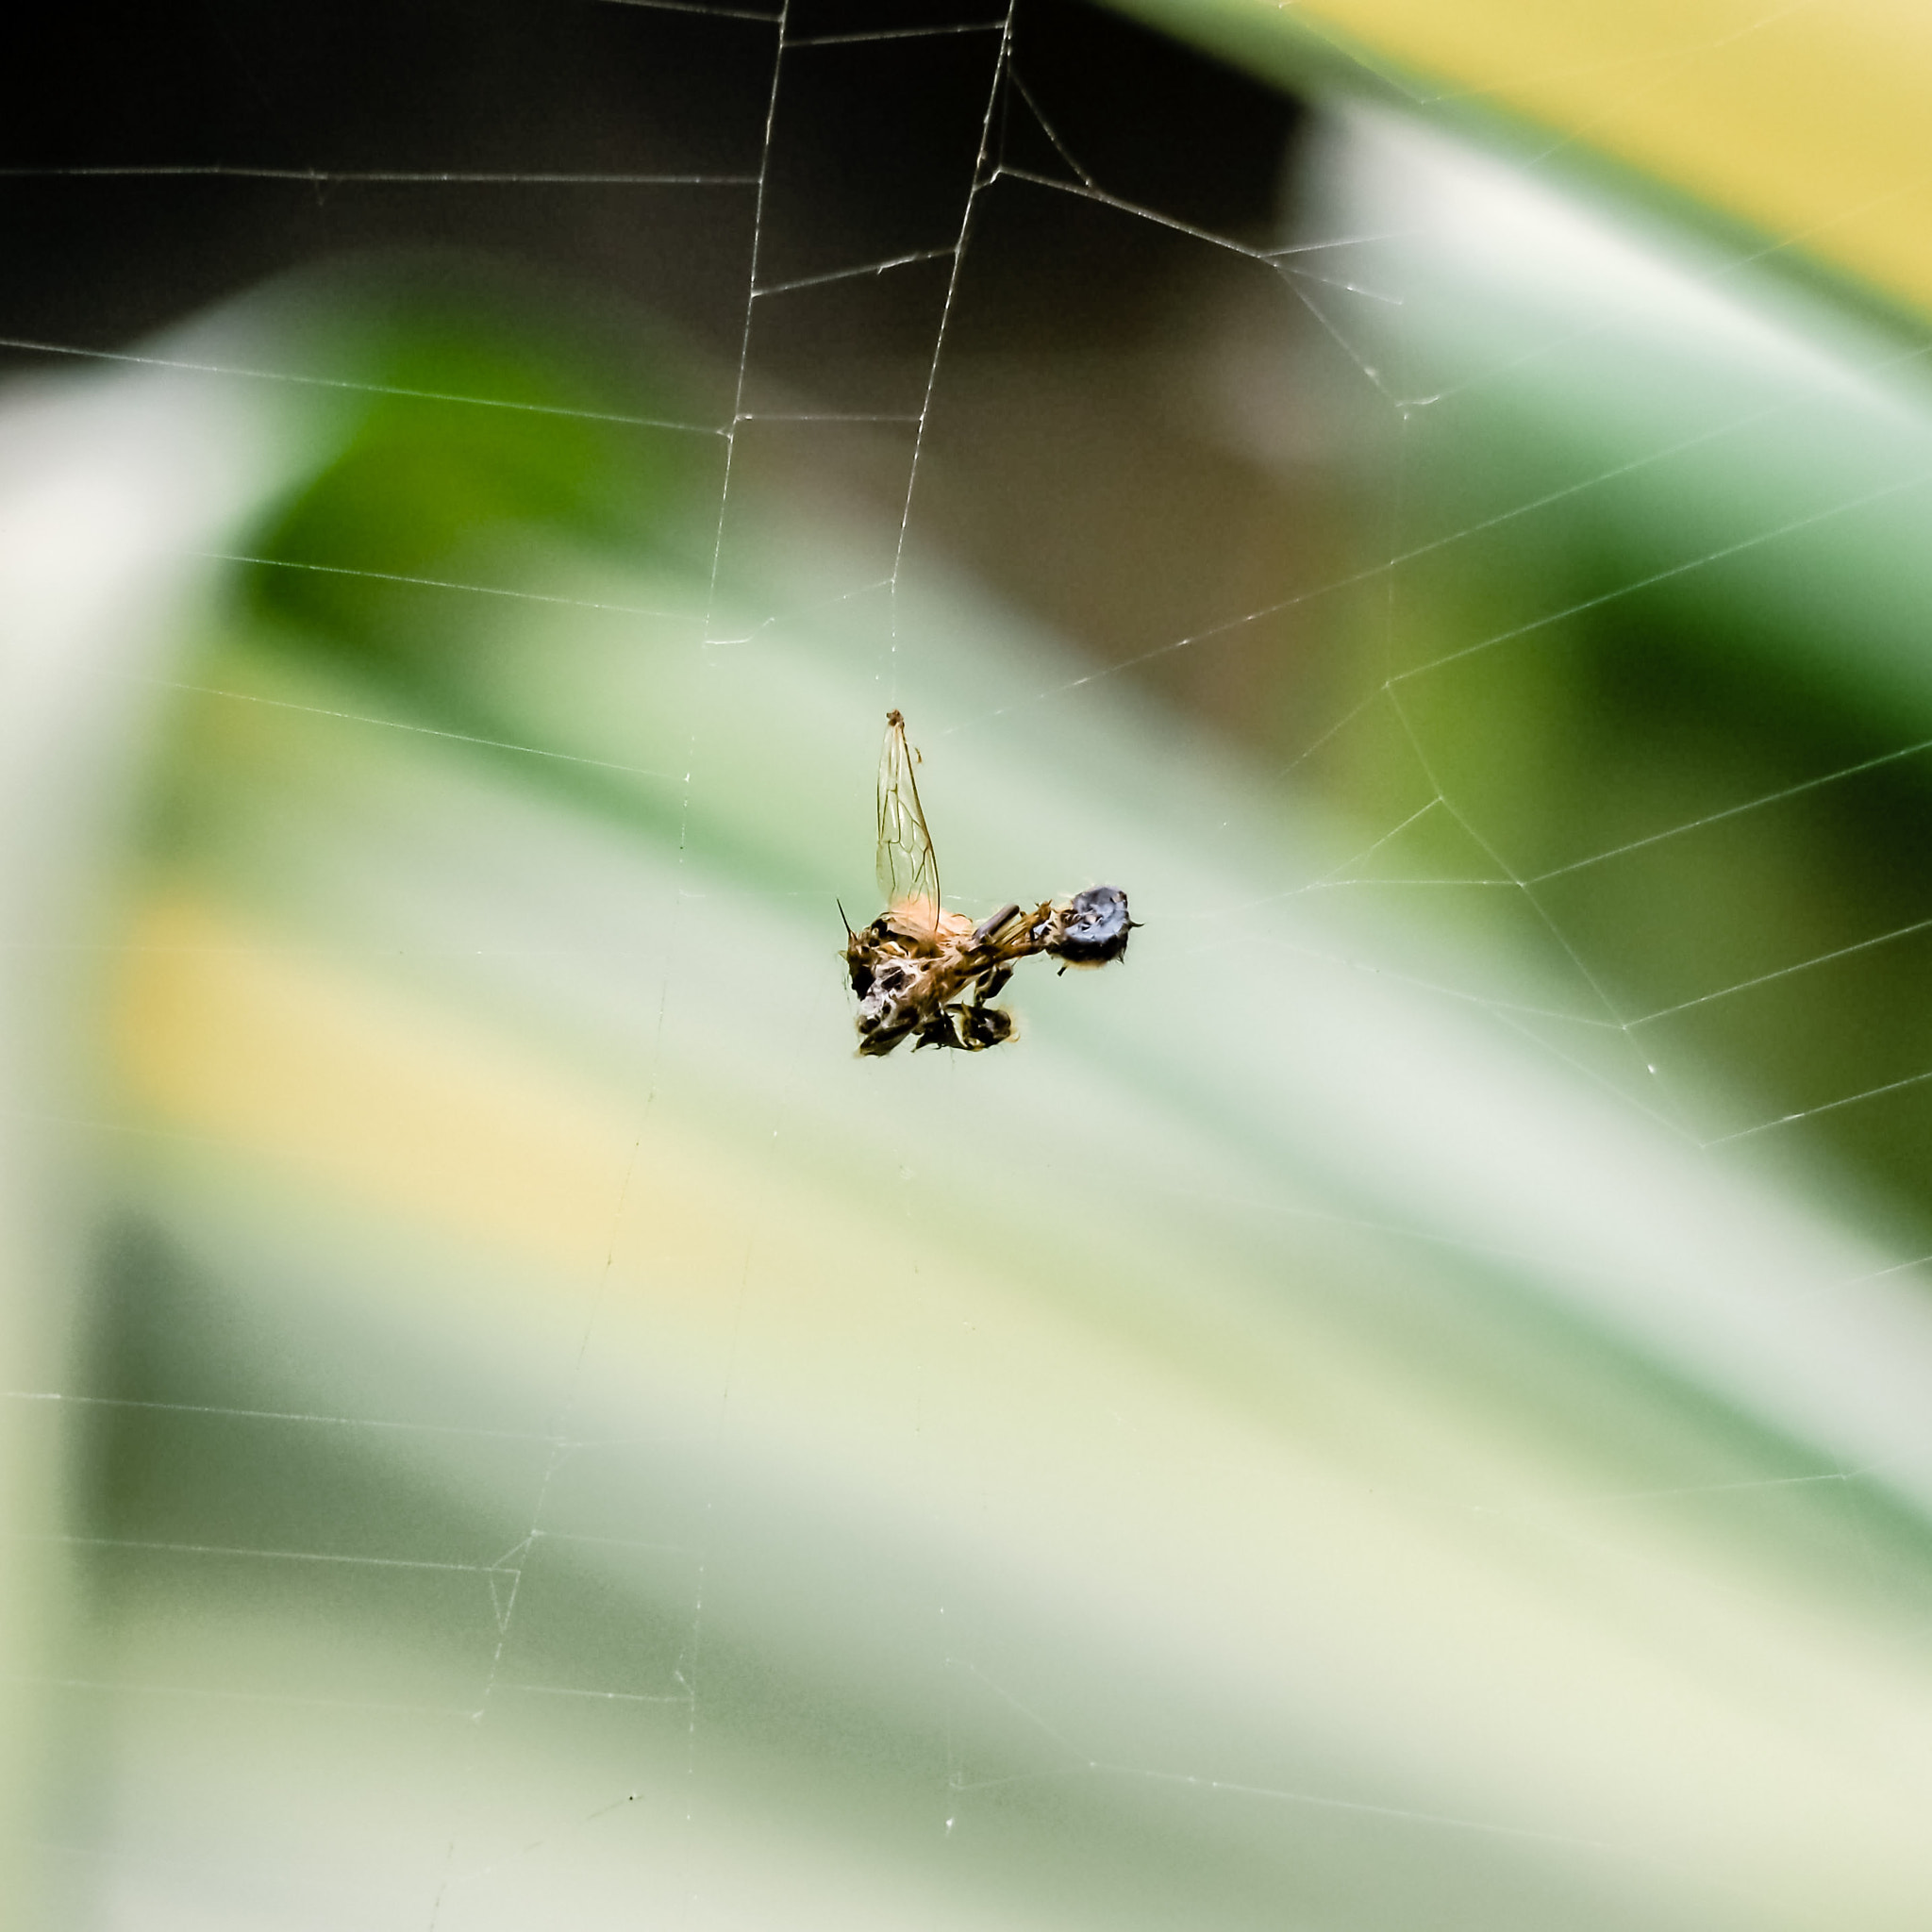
[
  {"x": 1652, "y": 512},
  {"x": 433, "y": 486},
  {"x": 1650, "y": 663},
  {"x": 1365, "y": 1416},
  {"x": 1803, "y": 125},
  {"x": 1292, "y": 1448}
]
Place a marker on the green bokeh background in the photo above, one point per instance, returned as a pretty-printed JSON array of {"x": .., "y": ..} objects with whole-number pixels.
[{"x": 1403, "y": 1405}]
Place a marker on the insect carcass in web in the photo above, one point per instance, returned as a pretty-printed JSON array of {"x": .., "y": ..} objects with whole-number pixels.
[{"x": 929, "y": 975}]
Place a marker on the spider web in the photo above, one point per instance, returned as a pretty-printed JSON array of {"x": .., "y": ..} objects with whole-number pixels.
[{"x": 1388, "y": 1410}]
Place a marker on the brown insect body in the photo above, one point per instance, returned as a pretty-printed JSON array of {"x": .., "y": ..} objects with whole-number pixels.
[{"x": 923, "y": 972}]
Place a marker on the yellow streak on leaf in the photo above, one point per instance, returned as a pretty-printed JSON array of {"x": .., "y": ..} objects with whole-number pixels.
[
  {"x": 1804, "y": 120},
  {"x": 222, "y": 1030}
]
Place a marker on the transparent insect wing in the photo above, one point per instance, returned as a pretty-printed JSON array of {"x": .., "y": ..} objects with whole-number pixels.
[{"x": 907, "y": 871}]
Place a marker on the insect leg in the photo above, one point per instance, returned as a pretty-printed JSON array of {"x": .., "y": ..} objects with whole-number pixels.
[{"x": 987, "y": 928}]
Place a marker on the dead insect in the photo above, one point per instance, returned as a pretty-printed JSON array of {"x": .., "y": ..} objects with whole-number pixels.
[{"x": 921, "y": 970}]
